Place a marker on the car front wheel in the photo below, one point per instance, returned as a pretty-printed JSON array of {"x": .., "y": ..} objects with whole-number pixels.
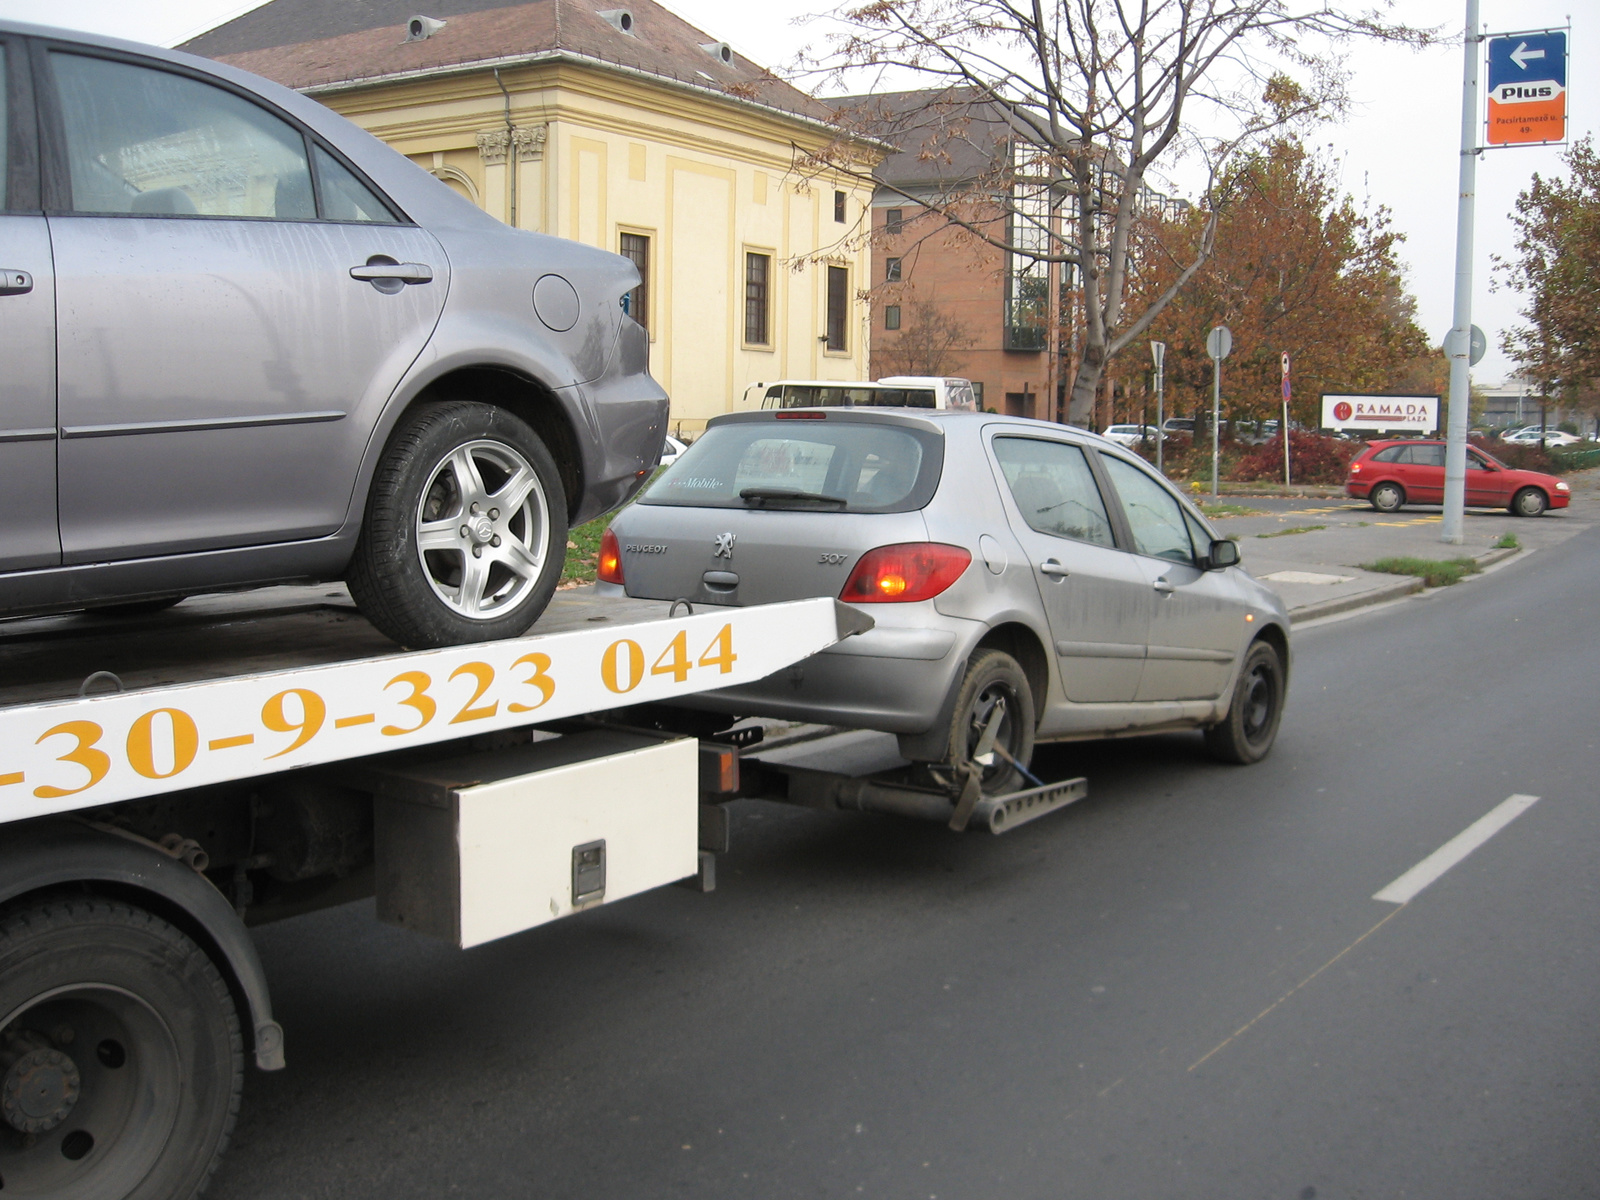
[
  {"x": 1246, "y": 734},
  {"x": 1387, "y": 497},
  {"x": 1529, "y": 502},
  {"x": 466, "y": 529}
]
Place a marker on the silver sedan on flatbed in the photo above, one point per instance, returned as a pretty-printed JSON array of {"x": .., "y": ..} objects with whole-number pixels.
[{"x": 1010, "y": 565}]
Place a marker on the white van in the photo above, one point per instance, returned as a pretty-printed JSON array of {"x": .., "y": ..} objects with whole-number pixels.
[{"x": 901, "y": 392}]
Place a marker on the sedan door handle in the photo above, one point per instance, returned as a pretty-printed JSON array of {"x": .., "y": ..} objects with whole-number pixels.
[
  {"x": 374, "y": 272},
  {"x": 15, "y": 283},
  {"x": 1053, "y": 569},
  {"x": 1165, "y": 588}
]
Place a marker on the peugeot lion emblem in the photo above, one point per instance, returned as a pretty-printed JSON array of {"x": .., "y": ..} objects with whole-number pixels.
[{"x": 724, "y": 546}]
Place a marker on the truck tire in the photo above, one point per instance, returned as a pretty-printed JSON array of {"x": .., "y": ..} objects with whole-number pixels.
[
  {"x": 121, "y": 1059},
  {"x": 465, "y": 534}
]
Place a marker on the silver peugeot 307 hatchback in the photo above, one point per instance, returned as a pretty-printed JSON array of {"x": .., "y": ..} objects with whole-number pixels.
[
  {"x": 245, "y": 342},
  {"x": 1021, "y": 574}
]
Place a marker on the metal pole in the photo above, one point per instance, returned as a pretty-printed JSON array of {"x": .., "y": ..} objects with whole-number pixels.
[
  {"x": 1455, "y": 453},
  {"x": 1158, "y": 351},
  {"x": 1283, "y": 429},
  {"x": 1216, "y": 411}
]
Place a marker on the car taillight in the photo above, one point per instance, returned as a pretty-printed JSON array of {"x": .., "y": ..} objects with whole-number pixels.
[
  {"x": 1355, "y": 468},
  {"x": 801, "y": 415},
  {"x": 904, "y": 573},
  {"x": 609, "y": 568}
]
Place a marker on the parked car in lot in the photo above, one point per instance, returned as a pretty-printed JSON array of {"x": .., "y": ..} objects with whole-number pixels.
[
  {"x": 1019, "y": 572},
  {"x": 1392, "y": 474},
  {"x": 246, "y": 342},
  {"x": 670, "y": 451},
  {"x": 1132, "y": 435},
  {"x": 1533, "y": 435},
  {"x": 1180, "y": 425}
]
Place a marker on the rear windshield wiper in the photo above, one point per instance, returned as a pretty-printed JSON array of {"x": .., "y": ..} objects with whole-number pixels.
[{"x": 761, "y": 495}]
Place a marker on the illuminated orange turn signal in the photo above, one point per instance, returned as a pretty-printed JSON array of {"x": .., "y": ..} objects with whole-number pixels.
[
  {"x": 609, "y": 568},
  {"x": 905, "y": 573}
]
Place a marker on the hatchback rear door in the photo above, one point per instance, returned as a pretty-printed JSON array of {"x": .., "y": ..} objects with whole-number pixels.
[
  {"x": 1097, "y": 600},
  {"x": 221, "y": 368},
  {"x": 778, "y": 509}
]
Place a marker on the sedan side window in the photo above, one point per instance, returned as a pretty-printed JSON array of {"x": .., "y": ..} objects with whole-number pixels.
[
  {"x": 1154, "y": 514},
  {"x": 1427, "y": 456},
  {"x": 1054, "y": 489},
  {"x": 1392, "y": 454},
  {"x": 1474, "y": 463},
  {"x": 148, "y": 142}
]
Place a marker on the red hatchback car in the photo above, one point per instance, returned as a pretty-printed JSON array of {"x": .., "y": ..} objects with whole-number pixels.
[{"x": 1390, "y": 474}]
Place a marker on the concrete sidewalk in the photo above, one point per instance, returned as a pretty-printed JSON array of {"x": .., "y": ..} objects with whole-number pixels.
[{"x": 1311, "y": 550}]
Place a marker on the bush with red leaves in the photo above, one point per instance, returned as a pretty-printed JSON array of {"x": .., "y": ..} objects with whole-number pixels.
[{"x": 1313, "y": 458}]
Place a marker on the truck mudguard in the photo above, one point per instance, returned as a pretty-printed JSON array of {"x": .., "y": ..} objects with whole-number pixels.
[{"x": 61, "y": 852}]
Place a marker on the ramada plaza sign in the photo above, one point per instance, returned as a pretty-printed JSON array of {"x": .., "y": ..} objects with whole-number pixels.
[{"x": 1380, "y": 414}]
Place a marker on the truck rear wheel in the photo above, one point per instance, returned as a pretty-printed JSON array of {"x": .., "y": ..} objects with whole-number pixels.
[{"x": 121, "y": 1059}]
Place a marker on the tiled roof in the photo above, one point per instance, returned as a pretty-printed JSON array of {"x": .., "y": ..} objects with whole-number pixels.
[
  {"x": 309, "y": 44},
  {"x": 943, "y": 135}
]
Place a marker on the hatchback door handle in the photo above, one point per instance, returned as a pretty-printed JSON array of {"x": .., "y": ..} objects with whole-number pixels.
[
  {"x": 14, "y": 283},
  {"x": 1165, "y": 588},
  {"x": 1053, "y": 569},
  {"x": 375, "y": 272}
]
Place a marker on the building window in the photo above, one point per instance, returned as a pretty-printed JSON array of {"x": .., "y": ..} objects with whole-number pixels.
[
  {"x": 838, "y": 206},
  {"x": 977, "y": 394},
  {"x": 635, "y": 247},
  {"x": 893, "y": 220},
  {"x": 891, "y": 270},
  {"x": 891, "y": 316},
  {"x": 757, "y": 271},
  {"x": 838, "y": 307}
]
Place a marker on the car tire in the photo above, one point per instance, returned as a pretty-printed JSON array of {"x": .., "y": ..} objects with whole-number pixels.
[
  {"x": 992, "y": 677},
  {"x": 1246, "y": 734},
  {"x": 1529, "y": 502},
  {"x": 1387, "y": 497},
  {"x": 438, "y": 561},
  {"x": 122, "y": 1055}
]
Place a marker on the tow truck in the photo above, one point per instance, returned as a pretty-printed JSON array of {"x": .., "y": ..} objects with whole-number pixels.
[{"x": 168, "y": 781}]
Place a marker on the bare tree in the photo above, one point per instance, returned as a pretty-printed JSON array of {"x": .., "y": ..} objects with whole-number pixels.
[
  {"x": 1095, "y": 96},
  {"x": 929, "y": 342}
]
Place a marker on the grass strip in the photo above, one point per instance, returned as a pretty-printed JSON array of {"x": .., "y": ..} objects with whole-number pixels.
[
  {"x": 1508, "y": 541},
  {"x": 1295, "y": 529},
  {"x": 1230, "y": 510},
  {"x": 1435, "y": 572}
]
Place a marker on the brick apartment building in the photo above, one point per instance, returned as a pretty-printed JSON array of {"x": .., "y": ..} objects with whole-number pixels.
[{"x": 942, "y": 301}]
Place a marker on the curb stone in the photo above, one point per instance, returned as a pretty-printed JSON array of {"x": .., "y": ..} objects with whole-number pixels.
[{"x": 1405, "y": 586}]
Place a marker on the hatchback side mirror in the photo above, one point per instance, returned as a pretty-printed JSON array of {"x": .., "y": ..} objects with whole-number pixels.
[{"x": 1224, "y": 553}]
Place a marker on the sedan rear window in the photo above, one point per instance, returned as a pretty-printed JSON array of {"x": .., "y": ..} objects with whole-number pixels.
[{"x": 835, "y": 466}]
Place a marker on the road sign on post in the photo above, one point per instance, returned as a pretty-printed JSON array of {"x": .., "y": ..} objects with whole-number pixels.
[
  {"x": 1527, "y": 89},
  {"x": 1218, "y": 344}
]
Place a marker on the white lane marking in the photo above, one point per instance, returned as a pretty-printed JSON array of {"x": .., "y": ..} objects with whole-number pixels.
[{"x": 1404, "y": 889}]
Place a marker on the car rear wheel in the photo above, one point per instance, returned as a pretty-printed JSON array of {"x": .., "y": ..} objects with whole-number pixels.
[
  {"x": 993, "y": 712},
  {"x": 1529, "y": 502},
  {"x": 466, "y": 529},
  {"x": 121, "y": 1059},
  {"x": 1387, "y": 497},
  {"x": 1246, "y": 734}
]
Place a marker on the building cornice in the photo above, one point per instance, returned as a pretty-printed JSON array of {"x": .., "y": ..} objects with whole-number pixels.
[{"x": 540, "y": 57}]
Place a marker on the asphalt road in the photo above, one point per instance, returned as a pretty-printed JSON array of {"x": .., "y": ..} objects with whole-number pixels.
[{"x": 1180, "y": 987}]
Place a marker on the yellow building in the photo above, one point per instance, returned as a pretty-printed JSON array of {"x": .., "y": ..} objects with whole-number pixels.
[{"x": 621, "y": 127}]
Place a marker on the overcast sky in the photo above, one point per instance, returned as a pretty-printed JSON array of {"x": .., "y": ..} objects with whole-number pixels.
[{"x": 1399, "y": 148}]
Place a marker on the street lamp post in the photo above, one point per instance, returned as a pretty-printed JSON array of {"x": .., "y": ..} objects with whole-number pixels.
[
  {"x": 1158, "y": 355},
  {"x": 1218, "y": 343}
]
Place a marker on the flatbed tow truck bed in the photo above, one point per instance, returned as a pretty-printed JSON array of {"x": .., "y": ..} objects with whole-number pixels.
[
  {"x": 168, "y": 779},
  {"x": 171, "y": 778}
]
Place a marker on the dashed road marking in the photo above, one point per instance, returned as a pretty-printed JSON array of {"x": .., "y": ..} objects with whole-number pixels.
[{"x": 1404, "y": 889}]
